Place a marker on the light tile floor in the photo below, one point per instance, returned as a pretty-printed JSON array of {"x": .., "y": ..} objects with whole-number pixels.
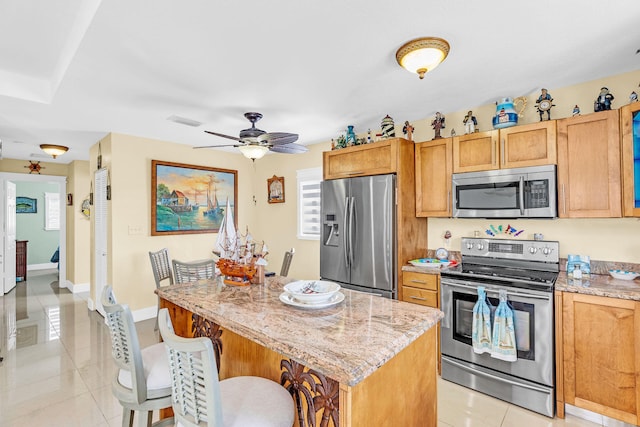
[{"x": 57, "y": 367}]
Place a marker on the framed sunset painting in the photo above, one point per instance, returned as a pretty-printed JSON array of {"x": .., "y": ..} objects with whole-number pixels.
[{"x": 190, "y": 199}]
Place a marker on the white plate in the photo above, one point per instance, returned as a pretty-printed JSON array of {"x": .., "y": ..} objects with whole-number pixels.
[
  {"x": 312, "y": 291},
  {"x": 288, "y": 299},
  {"x": 429, "y": 263},
  {"x": 623, "y": 275}
]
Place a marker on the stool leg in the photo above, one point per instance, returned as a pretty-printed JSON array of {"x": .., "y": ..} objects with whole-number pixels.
[{"x": 127, "y": 417}]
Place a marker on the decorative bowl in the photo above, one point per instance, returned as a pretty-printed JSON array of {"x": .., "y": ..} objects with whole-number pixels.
[
  {"x": 429, "y": 262},
  {"x": 312, "y": 291},
  {"x": 623, "y": 275}
]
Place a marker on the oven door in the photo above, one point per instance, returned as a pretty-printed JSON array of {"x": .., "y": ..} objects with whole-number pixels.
[{"x": 533, "y": 323}]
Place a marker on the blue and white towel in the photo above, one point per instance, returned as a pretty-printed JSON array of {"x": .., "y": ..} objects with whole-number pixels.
[
  {"x": 481, "y": 327},
  {"x": 503, "y": 344}
]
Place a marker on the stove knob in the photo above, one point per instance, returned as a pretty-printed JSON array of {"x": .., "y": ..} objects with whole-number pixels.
[
  {"x": 469, "y": 245},
  {"x": 547, "y": 250},
  {"x": 480, "y": 246},
  {"x": 533, "y": 250}
]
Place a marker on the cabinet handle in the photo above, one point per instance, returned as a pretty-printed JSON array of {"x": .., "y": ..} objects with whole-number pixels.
[
  {"x": 355, "y": 173},
  {"x": 418, "y": 298},
  {"x": 564, "y": 200},
  {"x": 502, "y": 151},
  {"x": 418, "y": 281},
  {"x": 493, "y": 153},
  {"x": 448, "y": 200}
]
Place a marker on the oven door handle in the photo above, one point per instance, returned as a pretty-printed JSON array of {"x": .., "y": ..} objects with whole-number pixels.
[
  {"x": 509, "y": 293},
  {"x": 494, "y": 377}
]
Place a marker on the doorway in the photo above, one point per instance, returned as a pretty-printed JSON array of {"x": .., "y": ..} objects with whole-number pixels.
[{"x": 61, "y": 182}]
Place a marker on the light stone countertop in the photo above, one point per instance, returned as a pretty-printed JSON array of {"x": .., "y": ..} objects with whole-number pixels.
[
  {"x": 600, "y": 285},
  {"x": 347, "y": 342}
]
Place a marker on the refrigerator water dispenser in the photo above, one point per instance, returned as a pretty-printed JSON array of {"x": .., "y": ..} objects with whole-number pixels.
[{"x": 330, "y": 231}]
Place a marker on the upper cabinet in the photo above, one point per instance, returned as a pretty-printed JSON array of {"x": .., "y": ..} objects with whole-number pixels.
[
  {"x": 589, "y": 180},
  {"x": 362, "y": 160},
  {"x": 518, "y": 146},
  {"x": 630, "y": 128},
  {"x": 433, "y": 178}
]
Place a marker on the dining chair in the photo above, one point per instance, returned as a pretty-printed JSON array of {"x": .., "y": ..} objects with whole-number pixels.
[
  {"x": 161, "y": 270},
  {"x": 193, "y": 271},
  {"x": 286, "y": 262},
  {"x": 201, "y": 399},
  {"x": 142, "y": 383}
]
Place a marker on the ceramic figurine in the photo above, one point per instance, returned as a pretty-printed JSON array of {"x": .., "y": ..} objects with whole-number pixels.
[
  {"x": 453, "y": 132},
  {"x": 388, "y": 127},
  {"x": 351, "y": 136},
  {"x": 470, "y": 123},
  {"x": 633, "y": 97},
  {"x": 506, "y": 115},
  {"x": 369, "y": 139},
  {"x": 407, "y": 130},
  {"x": 543, "y": 103},
  {"x": 576, "y": 111},
  {"x": 603, "y": 101},
  {"x": 438, "y": 124}
]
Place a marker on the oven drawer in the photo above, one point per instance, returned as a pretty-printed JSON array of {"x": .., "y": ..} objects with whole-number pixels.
[
  {"x": 420, "y": 280},
  {"x": 420, "y": 296}
]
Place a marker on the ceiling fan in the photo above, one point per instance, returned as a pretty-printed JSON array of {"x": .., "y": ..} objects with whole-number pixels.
[{"x": 255, "y": 143}]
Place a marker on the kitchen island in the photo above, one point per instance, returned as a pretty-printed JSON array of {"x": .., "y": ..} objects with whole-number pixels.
[{"x": 367, "y": 361}]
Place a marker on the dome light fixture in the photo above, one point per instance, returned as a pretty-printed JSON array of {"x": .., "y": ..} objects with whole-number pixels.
[
  {"x": 422, "y": 55},
  {"x": 253, "y": 151},
  {"x": 54, "y": 150}
]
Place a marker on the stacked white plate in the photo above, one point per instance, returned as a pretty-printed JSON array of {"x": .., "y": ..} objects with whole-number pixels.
[{"x": 312, "y": 294}]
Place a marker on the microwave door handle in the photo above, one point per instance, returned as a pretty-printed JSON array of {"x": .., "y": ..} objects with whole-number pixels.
[{"x": 521, "y": 194}]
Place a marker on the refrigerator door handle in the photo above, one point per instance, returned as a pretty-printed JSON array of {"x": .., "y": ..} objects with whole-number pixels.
[
  {"x": 345, "y": 233},
  {"x": 352, "y": 228}
]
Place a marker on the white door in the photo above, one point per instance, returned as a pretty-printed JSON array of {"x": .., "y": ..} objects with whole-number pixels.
[
  {"x": 8, "y": 252},
  {"x": 100, "y": 233}
]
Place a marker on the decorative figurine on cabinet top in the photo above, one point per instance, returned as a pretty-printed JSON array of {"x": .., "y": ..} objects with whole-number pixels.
[
  {"x": 633, "y": 97},
  {"x": 438, "y": 124},
  {"x": 506, "y": 116},
  {"x": 351, "y": 136},
  {"x": 576, "y": 111},
  {"x": 407, "y": 130},
  {"x": 603, "y": 101},
  {"x": 470, "y": 123},
  {"x": 388, "y": 127},
  {"x": 543, "y": 103}
]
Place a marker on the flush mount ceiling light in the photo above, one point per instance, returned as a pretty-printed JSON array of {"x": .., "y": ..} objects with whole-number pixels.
[
  {"x": 253, "y": 152},
  {"x": 54, "y": 150},
  {"x": 422, "y": 55}
]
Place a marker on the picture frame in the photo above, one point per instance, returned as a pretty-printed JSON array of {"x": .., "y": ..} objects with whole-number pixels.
[
  {"x": 191, "y": 199},
  {"x": 26, "y": 205},
  {"x": 69, "y": 199},
  {"x": 275, "y": 189}
]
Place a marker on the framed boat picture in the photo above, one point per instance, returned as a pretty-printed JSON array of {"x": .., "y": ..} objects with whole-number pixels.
[
  {"x": 275, "y": 189},
  {"x": 190, "y": 199}
]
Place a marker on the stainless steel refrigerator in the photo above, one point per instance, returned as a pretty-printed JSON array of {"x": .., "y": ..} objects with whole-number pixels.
[{"x": 358, "y": 247}]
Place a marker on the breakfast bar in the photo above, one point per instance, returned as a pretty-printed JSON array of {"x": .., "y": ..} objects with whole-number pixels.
[{"x": 365, "y": 361}]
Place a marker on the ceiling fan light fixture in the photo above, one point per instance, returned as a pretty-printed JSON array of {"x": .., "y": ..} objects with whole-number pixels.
[
  {"x": 253, "y": 152},
  {"x": 422, "y": 55},
  {"x": 54, "y": 150}
]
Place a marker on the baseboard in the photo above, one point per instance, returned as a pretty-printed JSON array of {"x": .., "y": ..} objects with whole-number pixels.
[
  {"x": 44, "y": 266},
  {"x": 91, "y": 305},
  {"x": 145, "y": 313},
  {"x": 80, "y": 287}
]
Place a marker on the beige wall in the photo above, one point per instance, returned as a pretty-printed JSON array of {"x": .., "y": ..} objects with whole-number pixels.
[
  {"x": 78, "y": 226},
  {"x": 21, "y": 166}
]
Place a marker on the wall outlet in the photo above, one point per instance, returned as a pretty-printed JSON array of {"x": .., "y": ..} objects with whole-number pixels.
[{"x": 135, "y": 230}]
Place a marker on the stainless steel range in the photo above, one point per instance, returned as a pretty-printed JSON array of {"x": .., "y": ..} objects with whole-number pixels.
[{"x": 527, "y": 270}]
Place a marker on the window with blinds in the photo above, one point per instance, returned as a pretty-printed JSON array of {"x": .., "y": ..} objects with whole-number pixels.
[
  {"x": 52, "y": 211},
  {"x": 309, "y": 203}
]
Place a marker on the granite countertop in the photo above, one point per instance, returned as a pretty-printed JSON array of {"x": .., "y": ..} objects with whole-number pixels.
[
  {"x": 347, "y": 342},
  {"x": 600, "y": 285}
]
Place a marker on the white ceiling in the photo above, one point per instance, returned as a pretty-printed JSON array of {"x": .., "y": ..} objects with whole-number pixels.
[{"x": 73, "y": 70}]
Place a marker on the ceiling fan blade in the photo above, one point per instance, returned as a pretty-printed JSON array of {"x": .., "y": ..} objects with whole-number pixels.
[
  {"x": 235, "y": 138},
  {"x": 289, "y": 149},
  {"x": 218, "y": 146},
  {"x": 277, "y": 138}
]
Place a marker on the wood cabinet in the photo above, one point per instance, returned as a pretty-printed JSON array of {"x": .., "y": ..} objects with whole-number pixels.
[
  {"x": 589, "y": 179},
  {"x": 630, "y": 129},
  {"x": 598, "y": 355},
  {"x": 395, "y": 155},
  {"x": 514, "y": 147},
  {"x": 423, "y": 289},
  {"x": 433, "y": 178},
  {"x": 21, "y": 260}
]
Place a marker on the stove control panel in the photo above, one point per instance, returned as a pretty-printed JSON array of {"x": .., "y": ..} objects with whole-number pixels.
[{"x": 528, "y": 250}]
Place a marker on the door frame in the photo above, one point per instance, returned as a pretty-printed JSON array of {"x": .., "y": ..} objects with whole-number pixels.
[{"x": 62, "y": 188}]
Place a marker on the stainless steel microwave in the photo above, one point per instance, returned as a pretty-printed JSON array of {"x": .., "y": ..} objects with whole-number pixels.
[{"x": 506, "y": 193}]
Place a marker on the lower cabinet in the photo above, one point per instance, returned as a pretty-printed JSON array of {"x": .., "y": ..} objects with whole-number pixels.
[
  {"x": 598, "y": 355},
  {"x": 423, "y": 289}
]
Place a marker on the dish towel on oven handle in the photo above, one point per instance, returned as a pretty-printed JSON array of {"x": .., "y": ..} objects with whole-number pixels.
[
  {"x": 481, "y": 327},
  {"x": 503, "y": 344}
]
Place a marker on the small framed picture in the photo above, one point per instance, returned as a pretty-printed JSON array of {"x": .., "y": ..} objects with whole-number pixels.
[
  {"x": 275, "y": 189},
  {"x": 69, "y": 199}
]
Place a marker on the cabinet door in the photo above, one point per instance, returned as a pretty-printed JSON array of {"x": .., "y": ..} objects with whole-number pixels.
[
  {"x": 589, "y": 179},
  {"x": 601, "y": 355},
  {"x": 433, "y": 178},
  {"x": 528, "y": 145},
  {"x": 476, "y": 152},
  {"x": 630, "y": 128},
  {"x": 371, "y": 159}
]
